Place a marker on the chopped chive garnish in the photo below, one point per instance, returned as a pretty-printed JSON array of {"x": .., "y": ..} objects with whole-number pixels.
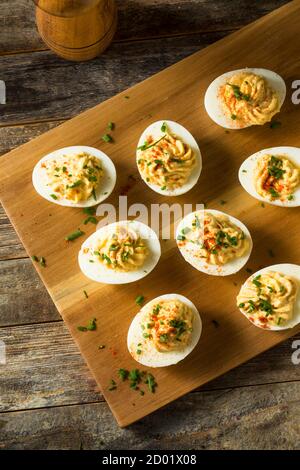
[
  {"x": 94, "y": 194},
  {"x": 34, "y": 258},
  {"x": 164, "y": 127},
  {"x": 53, "y": 196},
  {"x": 75, "y": 185},
  {"x": 89, "y": 210},
  {"x": 150, "y": 381},
  {"x": 274, "y": 193},
  {"x": 112, "y": 385},
  {"x": 90, "y": 327},
  {"x": 107, "y": 138},
  {"x": 275, "y": 124},
  {"x": 78, "y": 233},
  {"x": 91, "y": 220},
  {"x": 111, "y": 126},
  {"x": 43, "y": 262},
  {"x": 148, "y": 146},
  {"x": 140, "y": 300},
  {"x": 123, "y": 374},
  {"x": 81, "y": 328}
]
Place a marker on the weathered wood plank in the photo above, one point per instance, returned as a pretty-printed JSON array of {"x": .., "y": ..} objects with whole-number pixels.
[
  {"x": 139, "y": 19},
  {"x": 11, "y": 137},
  {"x": 44, "y": 368},
  {"x": 23, "y": 297},
  {"x": 45, "y": 88},
  {"x": 266, "y": 417}
]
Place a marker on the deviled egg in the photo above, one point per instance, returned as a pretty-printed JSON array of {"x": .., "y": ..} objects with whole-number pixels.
[
  {"x": 214, "y": 242},
  {"x": 245, "y": 97},
  {"x": 165, "y": 331},
  {"x": 168, "y": 158},
  {"x": 273, "y": 175},
  {"x": 76, "y": 176},
  {"x": 120, "y": 253},
  {"x": 270, "y": 298}
]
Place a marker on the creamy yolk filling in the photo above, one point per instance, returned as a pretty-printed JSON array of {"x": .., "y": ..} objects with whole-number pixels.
[
  {"x": 276, "y": 177},
  {"x": 121, "y": 251},
  {"x": 73, "y": 177},
  {"x": 168, "y": 325},
  {"x": 167, "y": 163},
  {"x": 248, "y": 99},
  {"x": 218, "y": 241},
  {"x": 268, "y": 299}
]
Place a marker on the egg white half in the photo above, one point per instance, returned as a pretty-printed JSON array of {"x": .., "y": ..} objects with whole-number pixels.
[
  {"x": 292, "y": 270},
  {"x": 100, "y": 273},
  {"x": 106, "y": 185},
  {"x": 150, "y": 356},
  {"x": 154, "y": 130},
  {"x": 213, "y": 104},
  {"x": 247, "y": 170},
  {"x": 190, "y": 249}
]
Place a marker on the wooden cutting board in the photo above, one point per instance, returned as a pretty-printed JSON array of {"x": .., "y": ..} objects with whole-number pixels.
[{"x": 177, "y": 93}]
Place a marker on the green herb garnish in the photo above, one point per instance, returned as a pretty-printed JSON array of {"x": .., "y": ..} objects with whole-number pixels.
[
  {"x": 256, "y": 281},
  {"x": 107, "y": 138},
  {"x": 112, "y": 385},
  {"x": 275, "y": 124},
  {"x": 265, "y": 306},
  {"x": 274, "y": 193},
  {"x": 73, "y": 236},
  {"x": 111, "y": 126},
  {"x": 163, "y": 338},
  {"x": 89, "y": 210},
  {"x": 181, "y": 238},
  {"x": 147, "y": 146},
  {"x": 150, "y": 381},
  {"x": 164, "y": 127},
  {"x": 91, "y": 220},
  {"x": 75, "y": 185},
  {"x": 123, "y": 374},
  {"x": 53, "y": 196},
  {"x": 140, "y": 300}
]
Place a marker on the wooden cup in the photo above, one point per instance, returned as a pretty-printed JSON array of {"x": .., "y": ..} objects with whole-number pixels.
[{"x": 75, "y": 29}]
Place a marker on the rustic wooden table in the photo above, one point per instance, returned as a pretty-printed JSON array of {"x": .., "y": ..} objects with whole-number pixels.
[{"x": 48, "y": 398}]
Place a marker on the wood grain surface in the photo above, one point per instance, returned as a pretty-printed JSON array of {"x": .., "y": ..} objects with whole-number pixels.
[
  {"x": 169, "y": 19},
  {"x": 176, "y": 95}
]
